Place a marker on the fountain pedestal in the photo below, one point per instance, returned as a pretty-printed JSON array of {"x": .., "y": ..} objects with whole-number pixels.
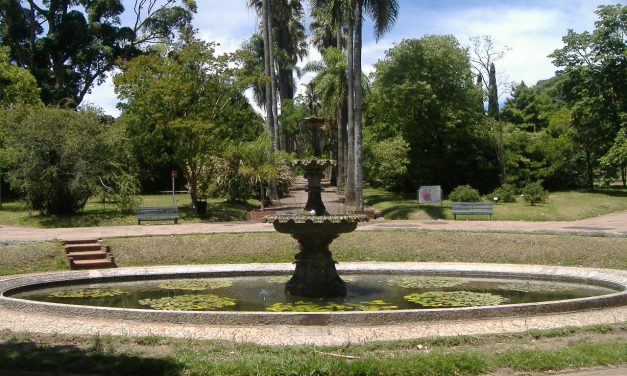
[{"x": 315, "y": 274}]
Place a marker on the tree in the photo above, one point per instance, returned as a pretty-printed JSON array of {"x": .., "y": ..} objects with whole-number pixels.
[
  {"x": 17, "y": 85},
  {"x": 263, "y": 166},
  {"x": 70, "y": 46},
  {"x": 616, "y": 158},
  {"x": 331, "y": 88},
  {"x": 287, "y": 45},
  {"x": 384, "y": 14},
  {"x": 594, "y": 82},
  {"x": 182, "y": 106},
  {"x": 528, "y": 108},
  {"x": 61, "y": 156},
  {"x": 423, "y": 90},
  {"x": 483, "y": 56}
]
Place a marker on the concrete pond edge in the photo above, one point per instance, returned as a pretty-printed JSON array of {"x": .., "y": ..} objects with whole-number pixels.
[{"x": 616, "y": 279}]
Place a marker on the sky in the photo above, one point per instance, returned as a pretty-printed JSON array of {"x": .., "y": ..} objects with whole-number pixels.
[{"x": 530, "y": 30}]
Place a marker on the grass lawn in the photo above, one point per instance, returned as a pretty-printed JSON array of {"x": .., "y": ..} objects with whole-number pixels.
[
  {"x": 98, "y": 214},
  {"x": 531, "y": 351},
  {"x": 561, "y": 206}
]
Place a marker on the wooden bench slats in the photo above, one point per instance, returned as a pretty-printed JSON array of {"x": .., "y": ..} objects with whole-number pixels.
[
  {"x": 472, "y": 208},
  {"x": 157, "y": 213}
]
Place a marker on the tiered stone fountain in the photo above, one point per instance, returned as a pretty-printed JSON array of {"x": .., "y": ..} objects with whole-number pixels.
[{"x": 314, "y": 229}]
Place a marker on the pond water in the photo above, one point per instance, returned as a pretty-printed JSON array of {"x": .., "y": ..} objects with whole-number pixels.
[{"x": 365, "y": 292}]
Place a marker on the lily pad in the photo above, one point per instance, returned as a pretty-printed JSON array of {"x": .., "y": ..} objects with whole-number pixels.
[
  {"x": 88, "y": 293},
  {"x": 205, "y": 302},
  {"x": 535, "y": 287},
  {"x": 196, "y": 284},
  {"x": 423, "y": 282},
  {"x": 301, "y": 306},
  {"x": 448, "y": 299}
]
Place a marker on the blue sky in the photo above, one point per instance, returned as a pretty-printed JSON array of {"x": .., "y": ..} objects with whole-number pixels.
[{"x": 532, "y": 29}]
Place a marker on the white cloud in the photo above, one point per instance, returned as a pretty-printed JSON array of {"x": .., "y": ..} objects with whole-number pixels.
[{"x": 533, "y": 29}]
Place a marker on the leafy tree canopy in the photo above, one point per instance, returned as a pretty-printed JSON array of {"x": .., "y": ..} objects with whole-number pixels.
[
  {"x": 183, "y": 105},
  {"x": 17, "y": 85},
  {"x": 423, "y": 91},
  {"x": 70, "y": 45}
]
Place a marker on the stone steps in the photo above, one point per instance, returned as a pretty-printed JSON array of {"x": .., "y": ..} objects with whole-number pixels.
[{"x": 88, "y": 254}]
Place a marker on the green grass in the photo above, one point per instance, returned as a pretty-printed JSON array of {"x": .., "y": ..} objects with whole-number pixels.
[
  {"x": 460, "y": 355},
  {"x": 561, "y": 206},
  {"x": 398, "y": 245},
  {"x": 96, "y": 213}
]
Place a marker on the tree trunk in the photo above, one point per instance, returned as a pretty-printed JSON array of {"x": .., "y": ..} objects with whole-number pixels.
[
  {"x": 267, "y": 67},
  {"x": 589, "y": 170},
  {"x": 500, "y": 155},
  {"x": 341, "y": 177},
  {"x": 349, "y": 192},
  {"x": 359, "y": 156}
]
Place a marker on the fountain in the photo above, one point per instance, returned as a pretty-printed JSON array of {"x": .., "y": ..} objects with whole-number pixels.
[{"x": 314, "y": 229}]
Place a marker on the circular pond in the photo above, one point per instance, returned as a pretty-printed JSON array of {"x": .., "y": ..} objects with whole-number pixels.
[{"x": 376, "y": 293}]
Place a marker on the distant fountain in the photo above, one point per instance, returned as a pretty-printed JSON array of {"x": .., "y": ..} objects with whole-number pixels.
[{"x": 315, "y": 228}]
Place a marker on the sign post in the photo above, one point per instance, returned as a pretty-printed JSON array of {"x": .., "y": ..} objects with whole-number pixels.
[
  {"x": 430, "y": 193},
  {"x": 173, "y": 174}
]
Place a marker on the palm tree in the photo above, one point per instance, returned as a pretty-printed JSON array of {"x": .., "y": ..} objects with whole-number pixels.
[
  {"x": 384, "y": 14},
  {"x": 331, "y": 87},
  {"x": 288, "y": 42}
]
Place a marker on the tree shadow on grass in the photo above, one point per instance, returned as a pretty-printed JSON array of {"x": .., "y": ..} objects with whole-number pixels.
[
  {"x": 19, "y": 358},
  {"x": 84, "y": 219},
  {"x": 404, "y": 211}
]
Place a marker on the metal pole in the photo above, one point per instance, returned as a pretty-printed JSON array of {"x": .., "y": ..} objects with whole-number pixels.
[{"x": 173, "y": 175}]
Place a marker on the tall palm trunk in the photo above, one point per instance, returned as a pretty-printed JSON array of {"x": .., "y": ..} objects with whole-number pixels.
[
  {"x": 267, "y": 66},
  {"x": 358, "y": 150},
  {"x": 273, "y": 88},
  {"x": 349, "y": 195},
  {"x": 341, "y": 129}
]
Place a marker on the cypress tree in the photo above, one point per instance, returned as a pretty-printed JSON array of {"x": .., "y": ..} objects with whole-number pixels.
[{"x": 493, "y": 95}]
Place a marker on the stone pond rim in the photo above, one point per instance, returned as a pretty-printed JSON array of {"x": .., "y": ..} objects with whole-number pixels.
[{"x": 615, "y": 279}]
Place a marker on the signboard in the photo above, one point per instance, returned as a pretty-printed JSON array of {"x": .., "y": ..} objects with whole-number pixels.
[{"x": 429, "y": 193}]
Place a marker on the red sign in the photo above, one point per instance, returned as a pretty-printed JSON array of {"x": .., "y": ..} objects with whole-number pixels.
[{"x": 173, "y": 174}]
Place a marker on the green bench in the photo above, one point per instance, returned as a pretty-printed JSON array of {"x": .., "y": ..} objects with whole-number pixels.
[
  {"x": 157, "y": 213},
  {"x": 472, "y": 208}
]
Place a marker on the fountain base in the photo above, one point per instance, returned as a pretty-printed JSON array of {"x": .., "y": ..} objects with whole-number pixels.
[{"x": 315, "y": 275}]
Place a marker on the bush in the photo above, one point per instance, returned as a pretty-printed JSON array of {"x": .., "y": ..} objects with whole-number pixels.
[
  {"x": 535, "y": 193},
  {"x": 62, "y": 157},
  {"x": 385, "y": 162},
  {"x": 505, "y": 193},
  {"x": 464, "y": 193}
]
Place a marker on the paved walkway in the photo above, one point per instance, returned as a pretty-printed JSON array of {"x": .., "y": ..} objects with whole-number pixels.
[{"x": 614, "y": 224}]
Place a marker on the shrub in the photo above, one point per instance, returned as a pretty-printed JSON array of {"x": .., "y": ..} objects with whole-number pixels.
[
  {"x": 62, "y": 157},
  {"x": 386, "y": 162},
  {"x": 505, "y": 193},
  {"x": 465, "y": 193},
  {"x": 534, "y": 193}
]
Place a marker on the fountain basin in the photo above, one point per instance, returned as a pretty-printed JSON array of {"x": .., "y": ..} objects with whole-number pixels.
[{"x": 614, "y": 279}]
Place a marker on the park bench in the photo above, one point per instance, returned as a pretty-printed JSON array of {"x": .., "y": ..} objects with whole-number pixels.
[
  {"x": 472, "y": 208},
  {"x": 157, "y": 213}
]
